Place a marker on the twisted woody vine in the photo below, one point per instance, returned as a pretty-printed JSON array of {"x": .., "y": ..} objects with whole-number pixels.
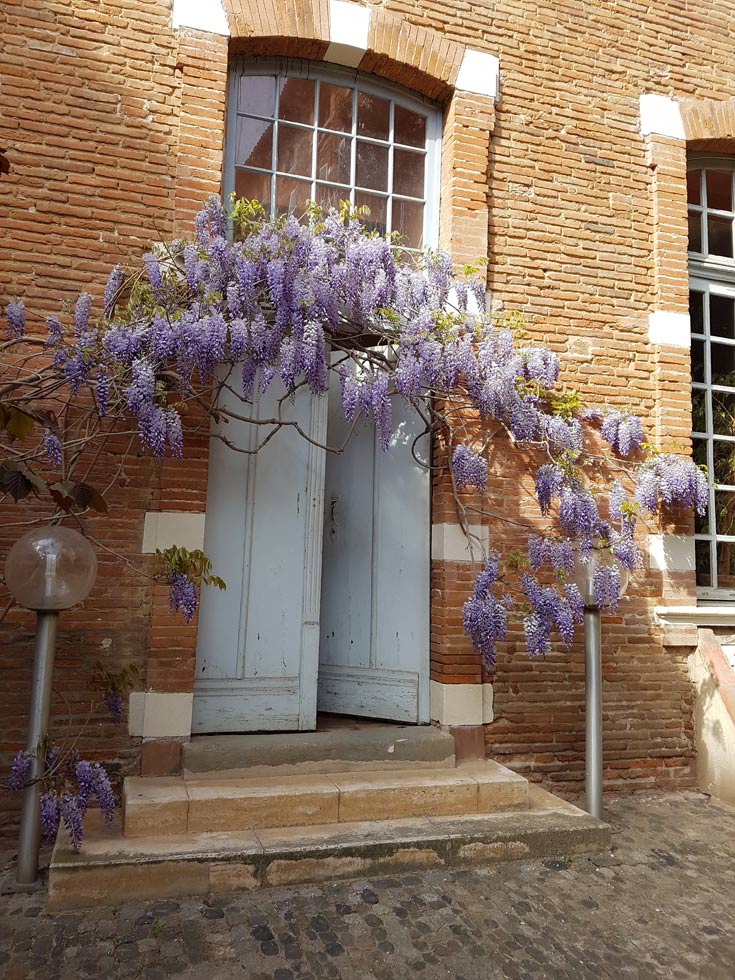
[{"x": 250, "y": 302}]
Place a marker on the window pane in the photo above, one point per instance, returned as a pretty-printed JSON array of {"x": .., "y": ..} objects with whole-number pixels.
[
  {"x": 292, "y": 195},
  {"x": 257, "y": 94},
  {"x": 254, "y": 144},
  {"x": 377, "y": 220},
  {"x": 703, "y": 561},
  {"x": 408, "y": 173},
  {"x": 408, "y": 219},
  {"x": 725, "y": 512},
  {"x": 699, "y": 414},
  {"x": 702, "y": 523},
  {"x": 296, "y": 101},
  {"x": 328, "y": 196},
  {"x": 696, "y": 311},
  {"x": 409, "y": 127},
  {"x": 694, "y": 187},
  {"x": 333, "y": 158},
  {"x": 698, "y": 360},
  {"x": 695, "y": 231},
  {"x": 294, "y": 150},
  {"x": 719, "y": 236},
  {"x": 723, "y": 413},
  {"x": 373, "y": 116},
  {"x": 724, "y": 462},
  {"x": 721, "y": 323},
  {"x": 335, "y": 107},
  {"x": 722, "y": 358},
  {"x": 719, "y": 190},
  {"x": 725, "y": 566},
  {"x": 372, "y": 166},
  {"x": 699, "y": 452},
  {"x": 254, "y": 186}
]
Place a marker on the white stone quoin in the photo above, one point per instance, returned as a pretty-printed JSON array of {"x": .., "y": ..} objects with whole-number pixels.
[
  {"x": 669, "y": 329},
  {"x": 449, "y": 543},
  {"x": 169, "y": 528},
  {"x": 661, "y": 116},
  {"x": 349, "y": 25},
  {"x": 671, "y": 552},
  {"x": 200, "y": 15},
  {"x": 479, "y": 73},
  {"x": 154, "y": 714}
]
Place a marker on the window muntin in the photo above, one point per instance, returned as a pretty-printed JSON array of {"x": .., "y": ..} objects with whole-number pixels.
[
  {"x": 299, "y": 133},
  {"x": 711, "y": 207}
]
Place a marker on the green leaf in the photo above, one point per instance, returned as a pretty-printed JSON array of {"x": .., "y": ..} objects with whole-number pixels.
[
  {"x": 19, "y": 423},
  {"x": 16, "y": 484},
  {"x": 85, "y": 496}
]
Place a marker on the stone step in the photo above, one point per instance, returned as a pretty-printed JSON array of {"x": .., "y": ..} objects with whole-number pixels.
[
  {"x": 110, "y": 868},
  {"x": 336, "y": 750},
  {"x": 173, "y": 805}
]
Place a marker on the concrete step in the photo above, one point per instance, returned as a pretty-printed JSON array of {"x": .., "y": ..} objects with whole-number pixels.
[
  {"x": 111, "y": 868},
  {"x": 173, "y": 805},
  {"x": 336, "y": 750}
]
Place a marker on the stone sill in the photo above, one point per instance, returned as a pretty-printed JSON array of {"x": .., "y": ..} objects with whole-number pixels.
[{"x": 718, "y": 615}]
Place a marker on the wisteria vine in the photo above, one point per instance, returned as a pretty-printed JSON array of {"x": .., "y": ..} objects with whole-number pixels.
[{"x": 297, "y": 302}]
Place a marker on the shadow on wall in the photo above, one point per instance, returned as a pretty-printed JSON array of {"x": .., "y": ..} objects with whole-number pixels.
[{"x": 714, "y": 724}]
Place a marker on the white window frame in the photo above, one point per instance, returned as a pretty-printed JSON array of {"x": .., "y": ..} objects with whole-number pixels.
[
  {"x": 317, "y": 71},
  {"x": 712, "y": 275}
]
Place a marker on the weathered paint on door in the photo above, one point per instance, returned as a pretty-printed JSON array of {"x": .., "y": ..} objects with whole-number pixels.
[
  {"x": 257, "y": 652},
  {"x": 374, "y": 650}
]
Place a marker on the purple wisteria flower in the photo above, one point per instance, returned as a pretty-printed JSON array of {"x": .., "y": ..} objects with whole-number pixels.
[
  {"x": 19, "y": 771},
  {"x": 114, "y": 704},
  {"x": 49, "y": 815},
  {"x": 469, "y": 468},
  {"x": 71, "y": 814},
  {"x": 622, "y": 431},
  {"x": 485, "y": 615},
  {"x": 112, "y": 290},
  {"x": 16, "y": 319},
  {"x": 182, "y": 595},
  {"x": 52, "y": 445},
  {"x": 606, "y": 586},
  {"x": 672, "y": 481}
]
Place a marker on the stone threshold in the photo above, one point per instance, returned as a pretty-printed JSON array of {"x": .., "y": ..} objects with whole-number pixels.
[{"x": 111, "y": 869}]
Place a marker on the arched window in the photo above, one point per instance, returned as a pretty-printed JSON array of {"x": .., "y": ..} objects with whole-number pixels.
[
  {"x": 298, "y": 131},
  {"x": 711, "y": 206}
]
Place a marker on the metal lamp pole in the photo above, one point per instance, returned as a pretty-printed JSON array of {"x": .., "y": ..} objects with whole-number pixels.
[
  {"x": 47, "y": 570},
  {"x": 593, "y": 711},
  {"x": 29, "y": 844}
]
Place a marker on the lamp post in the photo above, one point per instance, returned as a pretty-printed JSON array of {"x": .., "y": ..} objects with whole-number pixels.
[
  {"x": 585, "y": 577},
  {"x": 47, "y": 570}
]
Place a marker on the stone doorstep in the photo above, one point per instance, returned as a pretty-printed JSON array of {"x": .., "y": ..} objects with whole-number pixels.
[
  {"x": 172, "y": 805},
  {"x": 336, "y": 750},
  {"x": 111, "y": 869}
]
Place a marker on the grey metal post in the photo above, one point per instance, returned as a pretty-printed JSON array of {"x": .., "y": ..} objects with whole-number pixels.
[
  {"x": 43, "y": 668},
  {"x": 593, "y": 711}
]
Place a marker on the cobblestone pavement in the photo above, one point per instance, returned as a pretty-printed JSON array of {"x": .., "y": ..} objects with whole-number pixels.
[{"x": 659, "y": 906}]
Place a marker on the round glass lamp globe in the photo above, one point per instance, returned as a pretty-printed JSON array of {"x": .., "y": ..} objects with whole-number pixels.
[
  {"x": 584, "y": 575},
  {"x": 50, "y": 568}
]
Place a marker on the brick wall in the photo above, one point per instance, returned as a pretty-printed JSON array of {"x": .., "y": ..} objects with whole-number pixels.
[{"x": 113, "y": 124}]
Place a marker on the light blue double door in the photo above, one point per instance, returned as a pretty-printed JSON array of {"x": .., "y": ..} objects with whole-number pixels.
[{"x": 326, "y": 559}]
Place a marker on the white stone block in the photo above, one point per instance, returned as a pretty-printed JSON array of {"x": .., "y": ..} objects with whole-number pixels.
[
  {"x": 457, "y": 704},
  {"x": 669, "y": 329},
  {"x": 166, "y": 528},
  {"x": 449, "y": 543},
  {"x": 349, "y": 24},
  {"x": 152, "y": 714},
  {"x": 201, "y": 15},
  {"x": 488, "y": 710},
  {"x": 661, "y": 116},
  {"x": 671, "y": 552},
  {"x": 479, "y": 73}
]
